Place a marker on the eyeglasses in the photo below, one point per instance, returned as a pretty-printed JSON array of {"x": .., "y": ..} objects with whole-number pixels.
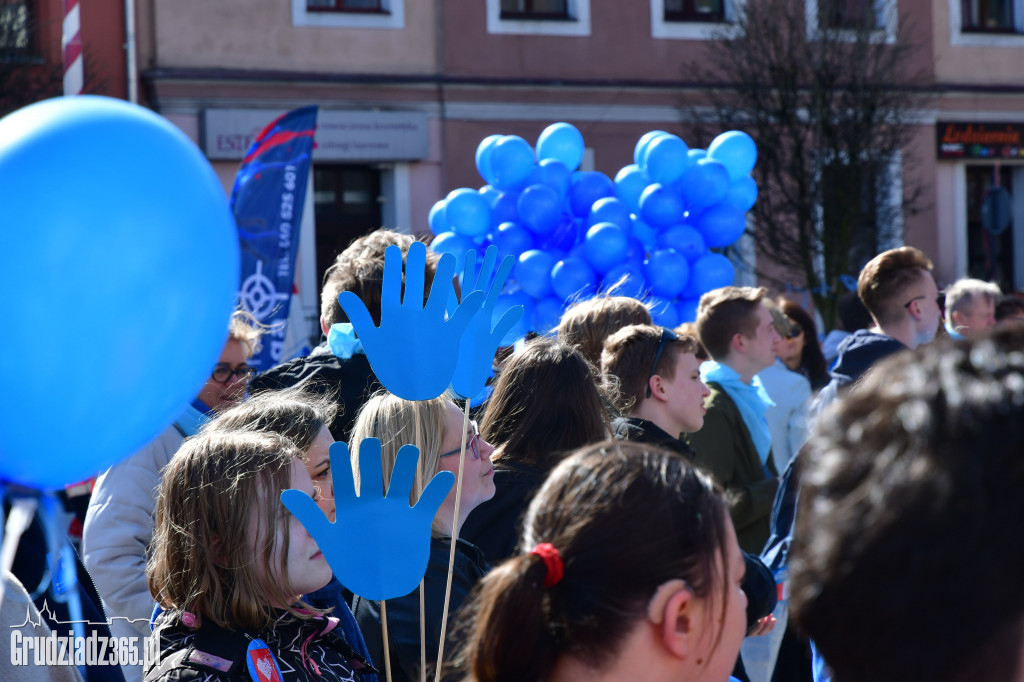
[
  {"x": 666, "y": 336},
  {"x": 222, "y": 373},
  {"x": 794, "y": 331},
  {"x": 472, "y": 446}
]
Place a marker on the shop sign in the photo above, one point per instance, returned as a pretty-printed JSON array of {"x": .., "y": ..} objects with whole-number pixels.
[{"x": 980, "y": 140}]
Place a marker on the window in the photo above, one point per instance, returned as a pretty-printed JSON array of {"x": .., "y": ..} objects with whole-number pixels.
[
  {"x": 987, "y": 16},
  {"x": 534, "y": 9},
  {"x": 345, "y": 6},
  {"x": 539, "y": 17},
  {"x": 349, "y": 13},
  {"x": 847, "y": 19},
  {"x": 847, "y": 14},
  {"x": 15, "y": 29},
  {"x": 694, "y": 10}
]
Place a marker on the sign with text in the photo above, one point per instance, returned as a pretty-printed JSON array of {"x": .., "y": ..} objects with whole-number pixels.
[
  {"x": 980, "y": 140},
  {"x": 340, "y": 135}
]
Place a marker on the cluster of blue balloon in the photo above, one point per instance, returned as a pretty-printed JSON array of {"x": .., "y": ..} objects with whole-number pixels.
[{"x": 573, "y": 233}]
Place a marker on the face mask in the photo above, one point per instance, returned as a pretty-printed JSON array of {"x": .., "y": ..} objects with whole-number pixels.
[{"x": 923, "y": 337}]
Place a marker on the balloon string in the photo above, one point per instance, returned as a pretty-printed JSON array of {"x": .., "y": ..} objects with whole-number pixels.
[
  {"x": 423, "y": 635},
  {"x": 451, "y": 554},
  {"x": 384, "y": 630}
]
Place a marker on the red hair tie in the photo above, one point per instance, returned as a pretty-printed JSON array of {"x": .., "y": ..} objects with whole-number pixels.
[{"x": 553, "y": 562}]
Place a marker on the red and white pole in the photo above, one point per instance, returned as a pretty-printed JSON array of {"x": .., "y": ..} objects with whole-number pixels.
[{"x": 71, "y": 44}]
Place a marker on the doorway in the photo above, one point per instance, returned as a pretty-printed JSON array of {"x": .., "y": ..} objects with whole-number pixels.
[
  {"x": 989, "y": 257},
  {"x": 347, "y": 204}
]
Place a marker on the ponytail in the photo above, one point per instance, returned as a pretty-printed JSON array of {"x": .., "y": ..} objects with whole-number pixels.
[{"x": 506, "y": 636}]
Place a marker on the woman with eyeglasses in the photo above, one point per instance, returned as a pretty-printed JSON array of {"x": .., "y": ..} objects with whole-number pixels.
[
  {"x": 545, "y": 403},
  {"x": 119, "y": 521},
  {"x": 800, "y": 349},
  {"x": 436, "y": 428}
]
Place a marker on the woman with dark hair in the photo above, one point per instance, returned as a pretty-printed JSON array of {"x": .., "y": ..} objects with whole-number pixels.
[
  {"x": 545, "y": 404},
  {"x": 628, "y": 569},
  {"x": 802, "y": 352}
]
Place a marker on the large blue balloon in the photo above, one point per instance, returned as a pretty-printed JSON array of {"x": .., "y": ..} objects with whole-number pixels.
[
  {"x": 512, "y": 239},
  {"x": 625, "y": 279},
  {"x": 522, "y": 327},
  {"x": 647, "y": 235},
  {"x": 562, "y": 238},
  {"x": 736, "y": 151},
  {"x": 642, "y": 143},
  {"x": 547, "y": 314},
  {"x": 554, "y": 174},
  {"x": 588, "y": 187},
  {"x": 663, "y": 311},
  {"x": 742, "y": 193},
  {"x": 605, "y": 245},
  {"x": 661, "y": 206},
  {"x": 571, "y": 277},
  {"x": 505, "y": 208},
  {"x": 684, "y": 239},
  {"x": 483, "y": 156},
  {"x": 467, "y": 212},
  {"x": 533, "y": 273},
  {"x": 610, "y": 210},
  {"x": 630, "y": 183},
  {"x": 721, "y": 225},
  {"x": 687, "y": 309},
  {"x": 712, "y": 271},
  {"x": 667, "y": 272},
  {"x": 636, "y": 252},
  {"x": 665, "y": 159},
  {"x": 540, "y": 209},
  {"x": 120, "y": 267},
  {"x": 512, "y": 163},
  {"x": 703, "y": 184},
  {"x": 436, "y": 218},
  {"x": 563, "y": 142},
  {"x": 456, "y": 244}
]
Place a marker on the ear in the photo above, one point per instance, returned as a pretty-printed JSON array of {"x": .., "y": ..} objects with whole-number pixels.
[
  {"x": 738, "y": 343},
  {"x": 324, "y": 326},
  {"x": 657, "y": 387},
  {"x": 672, "y": 612},
  {"x": 956, "y": 319}
]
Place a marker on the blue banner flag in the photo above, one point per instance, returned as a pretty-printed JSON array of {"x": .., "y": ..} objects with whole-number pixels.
[{"x": 267, "y": 200}]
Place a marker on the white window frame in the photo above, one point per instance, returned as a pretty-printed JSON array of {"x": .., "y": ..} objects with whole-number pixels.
[
  {"x": 577, "y": 25},
  {"x": 692, "y": 30},
  {"x": 394, "y": 19},
  {"x": 887, "y": 22},
  {"x": 958, "y": 37}
]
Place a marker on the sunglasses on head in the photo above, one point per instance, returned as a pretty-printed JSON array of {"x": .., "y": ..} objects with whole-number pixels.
[{"x": 666, "y": 336}]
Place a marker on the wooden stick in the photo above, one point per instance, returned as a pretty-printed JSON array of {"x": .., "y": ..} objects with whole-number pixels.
[
  {"x": 387, "y": 649},
  {"x": 451, "y": 554}
]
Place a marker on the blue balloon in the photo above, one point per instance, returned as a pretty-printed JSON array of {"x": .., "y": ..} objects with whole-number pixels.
[
  {"x": 562, "y": 238},
  {"x": 696, "y": 155},
  {"x": 742, "y": 193},
  {"x": 547, "y": 313},
  {"x": 533, "y": 273},
  {"x": 505, "y": 208},
  {"x": 114, "y": 218},
  {"x": 643, "y": 142},
  {"x": 687, "y": 309},
  {"x": 610, "y": 210},
  {"x": 512, "y": 163},
  {"x": 667, "y": 272},
  {"x": 436, "y": 218},
  {"x": 540, "y": 209},
  {"x": 625, "y": 279},
  {"x": 554, "y": 174},
  {"x": 588, "y": 187},
  {"x": 490, "y": 194},
  {"x": 661, "y": 206},
  {"x": 456, "y": 244},
  {"x": 562, "y": 142},
  {"x": 571, "y": 277},
  {"x": 665, "y": 159},
  {"x": 684, "y": 239},
  {"x": 630, "y": 183},
  {"x": 712, "y": 271},
  {"x": 736, "y": 151},
  {"x": 522, "y": 327},
  {"x": 663, "y": 311},
  {"x": 483, "y": 156},
  {"x": 636, "y": 252},
  {"x": 721, "y": 225},
  {"x": 605, "y": 245},
  {"x": 647, "y": 235},
  {"x": 512, "y": 239},
  {"x": 467, "y": 212},
  {"x": 703, "y": 184}
]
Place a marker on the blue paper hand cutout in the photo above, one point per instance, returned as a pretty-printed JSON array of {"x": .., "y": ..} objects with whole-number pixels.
[
  {"x": 415, "y": 349},
  {"x": 378, "y": 546},
  {"x": 483, "y": 336}
]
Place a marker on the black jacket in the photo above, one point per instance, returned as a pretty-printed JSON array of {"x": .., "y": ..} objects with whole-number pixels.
[
  {"x": 350, "y": 381},
  {"x": 304, "y": 650},
  {"x": 404, "y": 612},
  {"x": 758, "y": 583},
  {"x": 857, "y": 353},
  {"x": 494, "y": 525}
]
